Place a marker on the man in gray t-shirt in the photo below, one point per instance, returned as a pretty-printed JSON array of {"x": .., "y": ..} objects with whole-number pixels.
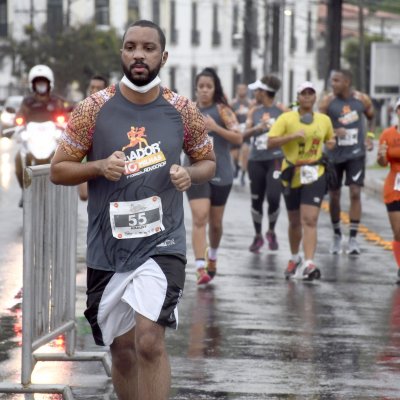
[
  {"x": 132, "y": 134},
  {"x": 348, "y": 109}
]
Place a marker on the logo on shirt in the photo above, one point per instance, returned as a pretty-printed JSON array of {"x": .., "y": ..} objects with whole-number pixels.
[
  {"x": 143, "y": 157},
  {"x": 136, "y": 137},
  {"x": 348, "y": 115}
]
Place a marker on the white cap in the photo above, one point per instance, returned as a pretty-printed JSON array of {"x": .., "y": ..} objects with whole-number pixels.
[
  {"x": 259, "y": 85},
  {"x": 305, "y": 85},
  {"x": 397, "y": 104}
]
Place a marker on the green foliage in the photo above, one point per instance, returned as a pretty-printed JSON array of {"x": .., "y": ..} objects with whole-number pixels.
[
  {"x": 352, "y": 55},
  {"x": 392, "y": 6},
  {"x": 74, "y": 55}
]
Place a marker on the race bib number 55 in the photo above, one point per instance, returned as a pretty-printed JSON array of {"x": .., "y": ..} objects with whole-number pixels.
[{"x": 135, "y": 219}]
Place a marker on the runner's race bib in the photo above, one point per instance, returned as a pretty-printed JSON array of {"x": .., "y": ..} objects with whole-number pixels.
[
  {"x": 135, "y": 219},
  {"x": 350, "y": 139},
  {"x": 261, "y": 142},
  {"x": 308, "y": 174}
]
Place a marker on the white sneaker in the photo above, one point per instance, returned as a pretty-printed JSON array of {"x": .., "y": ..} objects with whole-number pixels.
[
  {"x": 336, "y": 247},
  {"x": 353, "y": 247}
]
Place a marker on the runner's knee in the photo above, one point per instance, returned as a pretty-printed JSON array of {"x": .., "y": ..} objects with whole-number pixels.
[{"x": 149, "y": 346}]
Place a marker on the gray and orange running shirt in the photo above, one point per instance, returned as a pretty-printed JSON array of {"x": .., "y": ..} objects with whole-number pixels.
[
  {"x": 259, "y": 148},
  {"x": 141, "y": 215},
  {"x": 224, "y": 116},
  {"x": 241, "y": 109},
  {"x": 348, "y": 113}
]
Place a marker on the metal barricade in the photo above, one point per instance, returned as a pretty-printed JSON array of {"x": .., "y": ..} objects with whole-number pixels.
[{"x": 49, "y": 279}]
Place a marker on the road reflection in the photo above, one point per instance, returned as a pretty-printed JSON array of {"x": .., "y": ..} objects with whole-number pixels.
[
  {"x": 8, "y": 339},
  {"x": 390, "y": 356},
  {"x": 5, "y": 162},
  {"x": 205, "y": 335}
]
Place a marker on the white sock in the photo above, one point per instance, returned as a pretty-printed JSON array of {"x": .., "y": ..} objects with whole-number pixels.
[
  {"x": 200, "y": 263},
  {"x": 295, "y": 257},
  {"x": 308, "y": 262},
  {"x": 212, "y": 253}
]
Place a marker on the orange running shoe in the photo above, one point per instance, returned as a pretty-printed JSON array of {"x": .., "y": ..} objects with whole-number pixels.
[
  {"x": 292, "y": 268},
  {"x": 202, "y": 276}
]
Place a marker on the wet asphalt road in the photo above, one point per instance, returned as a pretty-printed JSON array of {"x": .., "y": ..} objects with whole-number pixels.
[{"x": 250, "y": 334}]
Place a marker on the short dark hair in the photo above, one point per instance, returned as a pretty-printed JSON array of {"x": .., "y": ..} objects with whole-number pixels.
[
  {"x": 100, "y": 78},
  {"x": 148, "y": 24},
  {"x": 346, "y": 73},
  {"x": 273, "y": 82}
]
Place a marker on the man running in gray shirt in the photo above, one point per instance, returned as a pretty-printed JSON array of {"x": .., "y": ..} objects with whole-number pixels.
[
  {"x": 132, "y": 134},
  {"x": 347, "y": 107}
]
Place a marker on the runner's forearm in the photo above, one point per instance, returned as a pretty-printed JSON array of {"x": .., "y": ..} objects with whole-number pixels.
[{"x": 201, "y": 171}]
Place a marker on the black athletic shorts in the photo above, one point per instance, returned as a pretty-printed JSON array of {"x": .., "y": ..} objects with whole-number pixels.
[
  {"x": 355, "y": 172},
  {"x": 393, "y": 206},
  {"x": 152, "y": 290},
  {"x": 218, "y": 195},
  {"x": 311, "y": 194}
]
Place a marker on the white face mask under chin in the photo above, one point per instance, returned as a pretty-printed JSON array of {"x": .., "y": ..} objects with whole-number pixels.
[
  {"x": 141, "y": 89},
  {"x": 41, "y": 88}
]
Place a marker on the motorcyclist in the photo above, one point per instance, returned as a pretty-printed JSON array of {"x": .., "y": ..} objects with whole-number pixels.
[{"x": 40, "y": 106}]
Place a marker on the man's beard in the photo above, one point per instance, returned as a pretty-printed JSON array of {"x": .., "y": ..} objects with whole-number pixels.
[{"x": 142, "y": 80}]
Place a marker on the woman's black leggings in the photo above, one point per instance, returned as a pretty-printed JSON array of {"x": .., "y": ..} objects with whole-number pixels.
[{"x": 265, "y": 182}]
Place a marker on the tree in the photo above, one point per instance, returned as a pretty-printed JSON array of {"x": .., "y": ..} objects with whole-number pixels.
[
  {"x": 392, "y": 6},
  {"x": 75, "y": 55}
]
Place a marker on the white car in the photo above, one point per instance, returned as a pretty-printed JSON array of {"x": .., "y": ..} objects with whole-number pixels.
[{"x": 7, "y": 115}]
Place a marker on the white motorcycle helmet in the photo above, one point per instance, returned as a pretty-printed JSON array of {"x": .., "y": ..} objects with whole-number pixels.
[{"x": 41, "y": 71}]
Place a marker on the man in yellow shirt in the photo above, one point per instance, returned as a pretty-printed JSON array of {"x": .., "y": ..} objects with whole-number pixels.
[{"x": 302, "y": 134}]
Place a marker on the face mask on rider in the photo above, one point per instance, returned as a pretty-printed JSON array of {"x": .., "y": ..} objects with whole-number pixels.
[{"x": 41, "y": 87}]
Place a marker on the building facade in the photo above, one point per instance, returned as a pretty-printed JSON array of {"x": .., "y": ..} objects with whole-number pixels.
[{"x": 283, "y": 37}]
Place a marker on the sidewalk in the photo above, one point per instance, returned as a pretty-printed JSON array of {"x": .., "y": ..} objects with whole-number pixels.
[{"x": 374, "y": 174}]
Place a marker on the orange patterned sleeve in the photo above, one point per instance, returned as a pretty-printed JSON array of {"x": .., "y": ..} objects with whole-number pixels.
[
  {"x": 196, "y": 142},
  {"x": 228, "y": 117},
  {"x": 76, "y": 140}
]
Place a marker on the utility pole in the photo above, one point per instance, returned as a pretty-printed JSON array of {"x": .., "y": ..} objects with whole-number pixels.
[
  {"x": 334, "y": 35},
  {"x": 247, "y": 41},
  {"x": 362, "y": 64}
]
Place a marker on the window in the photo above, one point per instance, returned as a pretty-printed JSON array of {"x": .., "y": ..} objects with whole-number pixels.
[
  {"x": 236, "y": 79},
  {"x": 54, "y": 17},
  {"x": 3, "y": 18},
  {"x": 102, "y": 12},
  {"x": 275, "y": 37},
  {"x": 172, "y": 79},
  {"x": 216, "y": 35},
  {"x": 290, "y": 87},
  {"x": 310, "y": 41},
  {"x": 133, "y": 10},
  {"x": 193, "y": 80},
  {"x": 195, "y": 32},
  {"x": 235, "y": 26},
  {"x": 254, "y": 27},
  {"x": 156, "y": 12},
  {"x": 174, "y": 31},
  {"x": 293, "y": 40}
]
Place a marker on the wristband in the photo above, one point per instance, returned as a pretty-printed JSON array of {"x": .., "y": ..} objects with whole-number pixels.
[{"x": 371, "y": 135}]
